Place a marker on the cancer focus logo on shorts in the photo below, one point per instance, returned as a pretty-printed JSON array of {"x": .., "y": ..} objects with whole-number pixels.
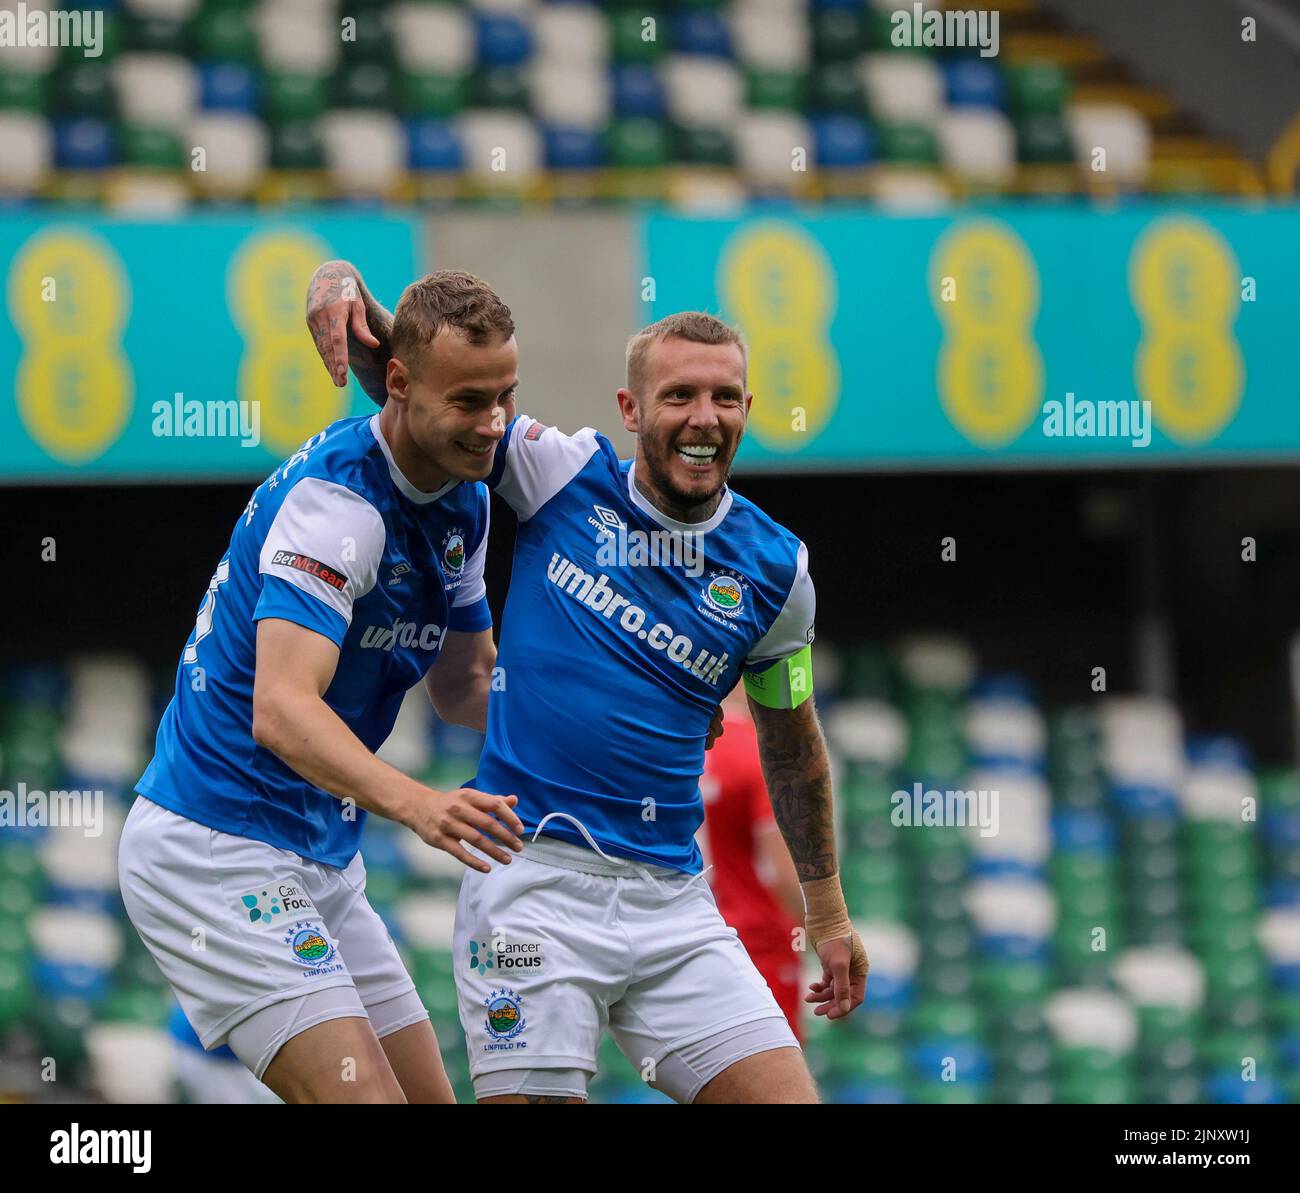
[
  {"x": 500, "y": 953},
  {"x": 310, "y": 947},
  {"x": 276, "y": 900},
  {"x": 505, "y": 1020}
]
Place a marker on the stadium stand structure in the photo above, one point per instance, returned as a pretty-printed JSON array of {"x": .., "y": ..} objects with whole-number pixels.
[
  {"x": 697, "y": 102},
  {"x": 1130, "y": 934}
]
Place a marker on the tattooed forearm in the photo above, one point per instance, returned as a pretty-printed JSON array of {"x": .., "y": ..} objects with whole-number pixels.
[
  {"x": 370, "y": 365},
  {"x": 798, "y": 774}
]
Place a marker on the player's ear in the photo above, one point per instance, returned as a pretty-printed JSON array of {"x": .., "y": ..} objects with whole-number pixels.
[
  {"x": 627, "y": 407},
  {"x": 398, "y": 378},
  {"x": 749, "y": 401}
]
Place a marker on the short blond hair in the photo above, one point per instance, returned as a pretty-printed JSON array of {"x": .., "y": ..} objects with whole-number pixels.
[
  {"x": 696, "y": 326},
  {"x": 448, "y": 298}
]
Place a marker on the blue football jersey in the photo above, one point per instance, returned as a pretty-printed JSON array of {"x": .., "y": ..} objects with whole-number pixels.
[
  {"x": 337, "y": 540},
  {"x": 623, "y": 629}
]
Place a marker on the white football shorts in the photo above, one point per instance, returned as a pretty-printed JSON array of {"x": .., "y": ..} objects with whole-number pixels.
[
  {"x": 564, "y": 942},
  {"x": 258, "y": 943}
]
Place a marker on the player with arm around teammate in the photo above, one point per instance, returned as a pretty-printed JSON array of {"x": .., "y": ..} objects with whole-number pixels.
[
  {"x": 615, "y": 660},
  {"x": 354, "y": 572}
]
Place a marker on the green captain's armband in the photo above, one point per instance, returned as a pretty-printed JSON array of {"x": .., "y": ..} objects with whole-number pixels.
[{"x": 787, "y": 683}]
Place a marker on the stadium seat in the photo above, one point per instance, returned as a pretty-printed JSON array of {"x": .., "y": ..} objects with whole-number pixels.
[
  {"x": 572, "y": 33},
  {"x": 770, "y": 38},
  {"x": 903, "y": 88},
  {"x": 570, "y": 94},
  {"x": 502, "y": 39},
  {"x": 130, "y": 1063},
  {"x": 973, "y": 82},
  {"x": 842, "y": 142},
  {"x": 84, "y": 143},
  {"x": 637, "y": 143},
  {"x": 978, "y": 144},
  {"x": 703, "y": 93},
  {"x": 156, "y": 89},
  {"x": 226, "y": 33},
  {"x": 365, "y": 152},
  {"x": 567, "y": 147},
  {"x": 434, "y": 38},
  {"x": 868, "y": 731},
  {"x": 297, "y": 36},
  {"x": 637, "y": 92},
  {"x": 29, "y": 153},
  {"x": 237, "y": 150},
  {"x": 1121, "y": 131},
  {"x": 228, "y": 87},
  {"x": 515, "y": 136},
  {"x": 766, "y": 147}
]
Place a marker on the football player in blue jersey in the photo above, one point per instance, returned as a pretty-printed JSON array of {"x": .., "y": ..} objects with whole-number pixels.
[
  {"x": 641, "y": 592},
  {"x": 354, "y": 571}
]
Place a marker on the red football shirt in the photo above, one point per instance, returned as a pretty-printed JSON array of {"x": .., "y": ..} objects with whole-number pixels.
[{"x": 736, "y": 810}]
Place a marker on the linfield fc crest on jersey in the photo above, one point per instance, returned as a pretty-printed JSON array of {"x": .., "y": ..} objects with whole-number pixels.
[
  {"x": 504, "y": 1021},
  {"x": 453, "y": 554},
  {"x": 725, "y": 593}
]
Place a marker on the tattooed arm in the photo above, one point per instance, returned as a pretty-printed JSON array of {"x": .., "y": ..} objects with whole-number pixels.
[
  {"x": 797, "y": 770},
  {"x": 350, "y": 328},
  {"x": 798, "y": 775}
]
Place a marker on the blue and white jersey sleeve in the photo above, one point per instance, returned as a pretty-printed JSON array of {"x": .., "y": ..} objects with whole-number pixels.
[
  {"x": 321, "y": 554},
  {"x": 534, "y": 462},
  {"x": 469, "y": 608},
  {"x": 793, "y": 628}
]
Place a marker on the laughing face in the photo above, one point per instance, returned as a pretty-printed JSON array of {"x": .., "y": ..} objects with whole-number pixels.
[
  {"x": 456, "y": 401},
  {"x": 688, "y": 419}
]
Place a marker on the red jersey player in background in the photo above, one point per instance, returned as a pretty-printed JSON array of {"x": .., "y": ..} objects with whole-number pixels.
[{"x": 753, "y": 877}]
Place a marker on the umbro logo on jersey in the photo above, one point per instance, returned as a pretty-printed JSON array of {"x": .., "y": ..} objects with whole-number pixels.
[
  {"x": 313, "y": 567},
  {"x": 608, "y": 516},
  {"x": 398, "y": 572}
]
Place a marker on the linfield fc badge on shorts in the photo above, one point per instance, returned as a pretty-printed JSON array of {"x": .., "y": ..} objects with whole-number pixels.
[
  {"x": 504, "y": 1021},
  {"x": 311, "y": 948},
  {"x": 725, "y": 593},
  {"x": 276, "y": 901},
  {"x": 453, "y": 554}
]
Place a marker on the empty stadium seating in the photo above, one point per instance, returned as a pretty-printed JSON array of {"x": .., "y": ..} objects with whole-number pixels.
[
  {"x": 361, "y": 100},
  {"x": 1130, "y": 933}
]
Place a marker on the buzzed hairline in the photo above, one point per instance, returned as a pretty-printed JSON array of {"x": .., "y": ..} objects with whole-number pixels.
[{"x": 696, "y": 327}]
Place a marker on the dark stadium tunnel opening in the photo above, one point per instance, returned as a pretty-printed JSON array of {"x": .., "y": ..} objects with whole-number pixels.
[{"x": 1054, "y": 573}]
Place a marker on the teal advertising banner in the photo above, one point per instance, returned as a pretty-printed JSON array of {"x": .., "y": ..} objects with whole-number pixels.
[
  {"x": 172, "y": 351},
  {"x": 1003, "y": 335}
]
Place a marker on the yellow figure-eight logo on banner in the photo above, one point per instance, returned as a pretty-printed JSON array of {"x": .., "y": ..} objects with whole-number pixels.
[
  {"x": 70, "y": 300},
  {"x": 984, "y": 286},
  {"x": 1185, "y": 284},
  {"x": 778, "y": 285},
  {"x": 280, "y": 370}
]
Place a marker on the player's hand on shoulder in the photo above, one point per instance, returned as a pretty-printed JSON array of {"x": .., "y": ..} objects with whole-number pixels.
[
  {"x": 843, "y": 985},
  {"x": 448, "y": 820},
  {"x": 335, "y": 304}
]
